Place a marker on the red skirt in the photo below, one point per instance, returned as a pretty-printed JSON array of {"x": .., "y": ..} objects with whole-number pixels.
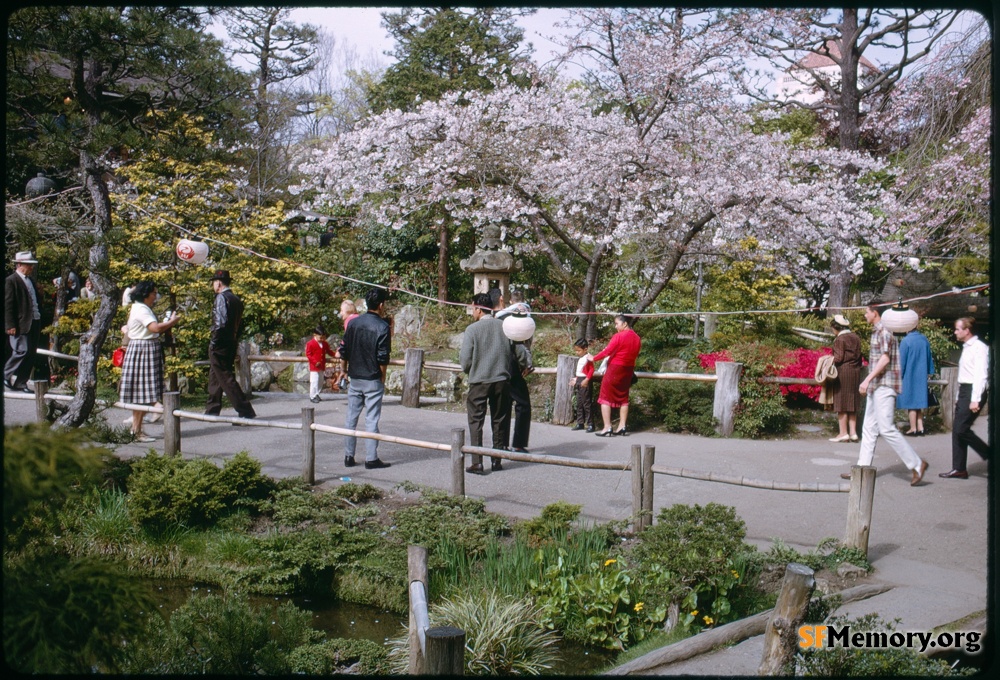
[{"x": 615, "y": 385}]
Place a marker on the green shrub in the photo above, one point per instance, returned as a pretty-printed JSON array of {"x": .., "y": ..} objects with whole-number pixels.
[
  {"x": 687, "y": 559},
  {"x": 222, "y": 635},
  {"x": 358, "y": 493},
  {"x": 340, "y": 656},
  {"x": 439, "y": 516},
  {"x": 676, "y": 406},
  {"x": 554, "y": 519},
  {"x": 165, "y": 490},
  {"x": 298, "y": 562}
]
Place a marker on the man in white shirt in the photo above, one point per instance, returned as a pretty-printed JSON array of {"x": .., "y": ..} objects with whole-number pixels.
[
  {"x": 973, "y": 369},
  {"x": 22, "y": 322}
]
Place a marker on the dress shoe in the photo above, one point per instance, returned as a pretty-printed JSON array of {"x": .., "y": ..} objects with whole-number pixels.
[
  {"x": 521, "y": 449},
  {"x": 376, "y": 464},
  {"x": 20, "y": 388},
  {"x": 955, "y": 474},
  {"x": 622, "y": 433},
  {"x": 605, "y": 433},
  {"x": 314, "y": 400},
  {"x": 841, "y": 438},
  {"x": 591, "y": 429},
  {"x": 496, "y": 465},
  {"x": 576, "y": 427},
  {"x": 913, "y": 433},
  {"x": 855, "y": 438},
  {"x": 349, "y": 461},
  {"x": 918, "y": 474},
  {"x": 476, "y": 469},
  {"x": 142, "y": 438}
]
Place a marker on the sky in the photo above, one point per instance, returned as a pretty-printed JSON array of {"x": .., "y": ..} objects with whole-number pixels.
[{"x": 361, "y": 27}]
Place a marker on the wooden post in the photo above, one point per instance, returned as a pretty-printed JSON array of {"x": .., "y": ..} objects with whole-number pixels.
[
  {"x": 457, "y": 462},
  {"x": 949, "y": 394},
  {"x": 781, "y": 633},
  {"x": 636, "y": 488},
  {"x": 859, "y": 507},
  {"x": 243, "y": 368},
  {"x": 562, "y": 410},
  {"x": 171, "y": 424},
  {"x": 416, "y": 567},
  {"x": 41, "y": 408},
  {"x": 727, "y": 395},
  {"x": 445, "y": 651},
  {"x": 308, "y": 446},
  {"x": 412, "y": 372},
  {"x": 648, "y": 456}
]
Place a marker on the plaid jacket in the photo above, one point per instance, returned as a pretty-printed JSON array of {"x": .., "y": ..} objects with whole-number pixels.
[{"x": 884, "y": 342}]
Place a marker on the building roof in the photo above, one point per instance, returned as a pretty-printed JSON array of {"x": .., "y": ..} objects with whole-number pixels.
[{"x": 820, "y": 59}]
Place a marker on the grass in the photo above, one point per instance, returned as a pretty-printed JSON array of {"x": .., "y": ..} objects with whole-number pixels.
[{"x": 508, "y": 565}]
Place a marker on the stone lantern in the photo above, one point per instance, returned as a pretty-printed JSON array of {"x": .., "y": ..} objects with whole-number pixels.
[
  {"x": 39, "y": 186},
  {"x": 491, "y": 263}
]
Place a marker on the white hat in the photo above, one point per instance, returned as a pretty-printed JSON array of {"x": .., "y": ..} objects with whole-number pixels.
[
  {"x": 841, "y": 320},
  {"x": 25, "y": 257}
]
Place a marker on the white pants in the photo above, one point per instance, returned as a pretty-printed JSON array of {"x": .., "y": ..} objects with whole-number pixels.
[
  {"x": 314, "y": 383},
  {"x": 880, "y": 415}
]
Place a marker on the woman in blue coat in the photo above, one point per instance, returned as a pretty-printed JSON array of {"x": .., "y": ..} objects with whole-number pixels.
[{"x": 917, "y": 365}]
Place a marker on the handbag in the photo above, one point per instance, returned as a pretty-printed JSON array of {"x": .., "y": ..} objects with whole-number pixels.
[
  {"x": 635, "y": 378},
  {"x": 118, "y": 357},
  {"x": 932, "y": 399}
]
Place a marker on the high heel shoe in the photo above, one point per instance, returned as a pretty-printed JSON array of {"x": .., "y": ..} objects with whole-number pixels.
[
  {"x": 621, "y": 433},
  {"x": 605, "y": 433},
  {"x": 841, "y": 438}
]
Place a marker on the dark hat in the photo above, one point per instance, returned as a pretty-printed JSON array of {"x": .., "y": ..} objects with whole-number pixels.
[
  {"x": 221, "y": 275},
  {"x": 319, "y": 330}
]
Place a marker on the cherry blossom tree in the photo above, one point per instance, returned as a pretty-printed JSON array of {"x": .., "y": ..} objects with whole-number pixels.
[
  {"x": 936, "y": 128},
  {"x": 843, "y": 37},
  {"x": 653, "y": 157}
]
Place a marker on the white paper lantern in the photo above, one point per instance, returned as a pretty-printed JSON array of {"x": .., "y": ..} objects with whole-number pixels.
[
  {"x": 519, "y": 327},
  {"x": 900, "y": 318},
  {"x": 192, "y": 252}
]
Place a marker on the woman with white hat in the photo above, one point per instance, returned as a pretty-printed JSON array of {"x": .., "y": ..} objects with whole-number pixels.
[{"x": 847, "y": 359}]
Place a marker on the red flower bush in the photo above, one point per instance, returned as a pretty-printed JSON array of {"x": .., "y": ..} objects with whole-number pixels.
[
  {"x": 708, "y": 361},
  {"x": 801, "y": 363}
]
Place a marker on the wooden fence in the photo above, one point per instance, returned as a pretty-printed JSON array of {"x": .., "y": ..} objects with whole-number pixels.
[{"x": 727, "y": 379}]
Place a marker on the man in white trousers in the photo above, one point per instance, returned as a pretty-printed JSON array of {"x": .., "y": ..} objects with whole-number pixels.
[{"x": 883, "y": 383}]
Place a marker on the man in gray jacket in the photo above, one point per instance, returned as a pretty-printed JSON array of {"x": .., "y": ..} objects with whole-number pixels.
[{"x": 485, "y": 356}]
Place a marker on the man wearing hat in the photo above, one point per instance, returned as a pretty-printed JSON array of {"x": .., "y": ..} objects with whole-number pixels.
[
  {"x": 227, "y": 323},
  {"x": 23, "y": 322}
]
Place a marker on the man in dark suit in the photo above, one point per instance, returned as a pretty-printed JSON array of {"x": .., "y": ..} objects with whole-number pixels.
[
  {"x": 22, "y": 321},
  {"x": 227, "y": 323}
]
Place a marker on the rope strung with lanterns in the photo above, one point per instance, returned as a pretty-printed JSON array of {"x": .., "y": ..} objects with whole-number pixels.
[{"x": 195, "y": 251}]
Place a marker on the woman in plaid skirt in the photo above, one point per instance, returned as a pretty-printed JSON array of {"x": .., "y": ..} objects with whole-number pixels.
[{"x": 142, "y": 369}]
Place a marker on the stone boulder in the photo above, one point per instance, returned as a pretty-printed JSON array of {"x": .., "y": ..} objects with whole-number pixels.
[
  {"x": 260, "y": 376},
  {"x": 407, "y": 321}
]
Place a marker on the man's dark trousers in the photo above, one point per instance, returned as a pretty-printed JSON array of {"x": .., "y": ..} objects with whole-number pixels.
[
  {"x": 24, "y": 349},
  {"x": 962, "y": 436},
  {"x": 521, "y": 404},
  {"x": 221, "y": 379},
  {"x": 495, "y": 396}
]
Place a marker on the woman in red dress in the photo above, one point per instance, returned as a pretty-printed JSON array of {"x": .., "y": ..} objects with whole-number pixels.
[{"x": 621, "y": 352}]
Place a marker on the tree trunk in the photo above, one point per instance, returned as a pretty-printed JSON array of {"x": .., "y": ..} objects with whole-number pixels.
[
  {"x": 92, "y": 342},
  {"x": 588, "y": 299},
  {"x": 848, "y": 114},
  {"x": 444, "y": 237}
]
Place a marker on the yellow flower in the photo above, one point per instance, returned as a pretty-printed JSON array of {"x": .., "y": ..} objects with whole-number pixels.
[
  {"x": 708, "y": 620},
  {"x": 638, "y": 607},
  {"x": 611, "y": 561},
  {"x": 694, "y": 613},
  {"x": 735, "y": 574}
]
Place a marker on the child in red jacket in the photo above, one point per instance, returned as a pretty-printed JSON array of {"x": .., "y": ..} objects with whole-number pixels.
[{"x": 317, "y": 350}]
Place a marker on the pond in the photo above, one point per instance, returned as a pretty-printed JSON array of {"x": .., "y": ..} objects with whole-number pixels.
[{"x": 361, "y": 622}]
